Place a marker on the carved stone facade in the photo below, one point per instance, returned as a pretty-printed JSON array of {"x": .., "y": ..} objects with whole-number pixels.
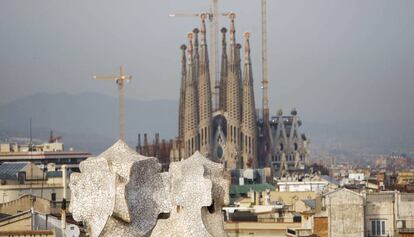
[
  {"x": 232, "y": 134},
  {"x": 289, "y": 152},
  {"x": 121, "y": 193},
  {"x": 220, "y": 134}
]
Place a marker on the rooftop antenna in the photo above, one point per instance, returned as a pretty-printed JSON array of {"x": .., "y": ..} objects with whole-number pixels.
[
  {"x": 31, "y": 138},
  {"x": 120, "y": 80},
  {"x": 30, "y": 152}
]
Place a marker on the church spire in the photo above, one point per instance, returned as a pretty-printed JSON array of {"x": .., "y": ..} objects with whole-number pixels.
[
  {"x": 204, "y": 94},
  {"x": 223, "y": 74},
  {"x": 248, "y": 126},
  {"x": 182, "y": 93},
  {"x": 191, "y": 102},
  {"x": 233, "y": 103},
  {"x": 239, "y": 74},
  {"x": 196, "y": 53},
  {"x": 232, "y": 16}
]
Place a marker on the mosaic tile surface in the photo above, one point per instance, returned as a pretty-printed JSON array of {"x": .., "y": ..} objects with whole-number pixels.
[{"x": 121, "y": 193}]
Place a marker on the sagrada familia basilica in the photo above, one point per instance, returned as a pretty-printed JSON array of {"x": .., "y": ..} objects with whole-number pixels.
[{"x": 233, "y": 134}]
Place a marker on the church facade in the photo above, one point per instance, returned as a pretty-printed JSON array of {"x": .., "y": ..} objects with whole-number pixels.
[{"x": 231, "y": 134}]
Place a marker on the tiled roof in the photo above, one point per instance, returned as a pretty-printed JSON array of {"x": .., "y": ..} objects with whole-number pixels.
[
  {"x": 9, "y": 170},
  {"x": 310, "y": 203}
]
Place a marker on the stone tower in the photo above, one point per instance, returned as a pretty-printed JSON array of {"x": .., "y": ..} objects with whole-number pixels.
[
  {"x": 190, "y": 137},
  {"x": 196, "y": 59},
  {"x": 182, "y": 93},
  {"x": 204, "y": 95},
  {"x": 248, "y": 125},
  {"x": 239, "y": 75},
  {"x": 223, "y": 72},
  {"x": 233, "y": 103}
]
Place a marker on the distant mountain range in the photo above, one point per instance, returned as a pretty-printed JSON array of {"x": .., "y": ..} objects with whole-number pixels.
[
  {"x": 86, "y": 121},
  {"x": 89, "y": 121}
]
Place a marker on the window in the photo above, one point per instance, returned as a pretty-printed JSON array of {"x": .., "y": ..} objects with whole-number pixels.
[
  {"x": 378, "y": 227},
  {"x": 21, "y": 177}
]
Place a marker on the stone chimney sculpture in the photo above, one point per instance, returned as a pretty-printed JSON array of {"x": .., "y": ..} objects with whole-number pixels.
[{"x": 122, "y": 193}]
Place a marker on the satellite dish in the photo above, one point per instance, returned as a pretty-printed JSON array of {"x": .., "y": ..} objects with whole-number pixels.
[{"x": 72, "y": 231}]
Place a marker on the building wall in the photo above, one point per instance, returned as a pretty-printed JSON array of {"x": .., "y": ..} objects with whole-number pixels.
[
  {"x": 345, "y": 211},
  {"x": 406, "y": 235},
  {"x": 24, "y": 204},
  {"x": 380, "y": 206},
  {"x": 405, "y": 177},
  {"x": 53, "y": 223},
  {"x": 320, "y": 227},
  {"x": 258, "y": 229},
  {"x": 314, "y": 186},
  {"x": 33, "y": 171},
  {"x": 12, "y": 192},
  {"x": 25, "y": 222},
  {"x": 405, "y": 209},
  {"x": 21, "y": 224}
]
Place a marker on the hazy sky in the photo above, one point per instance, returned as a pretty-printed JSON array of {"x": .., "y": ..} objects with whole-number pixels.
[{"x": 330, "y": 59}]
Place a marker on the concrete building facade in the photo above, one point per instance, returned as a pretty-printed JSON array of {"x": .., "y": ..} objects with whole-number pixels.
[
  {"x": 345, "y": 212},
  {"x": 380, "y": 214}
]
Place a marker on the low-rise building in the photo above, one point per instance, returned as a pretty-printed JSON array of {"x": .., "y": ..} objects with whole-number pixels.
[
  {"x": 345, "y": 212},
  {"x": 30, "y": 216},
  {"x": 405, "y": 214},
  {"x": 405, "y": 178},
  {"x": 302, "y": 186},
  {"x": 380, "y": 214},
  {"x": 13, "y": 173}
]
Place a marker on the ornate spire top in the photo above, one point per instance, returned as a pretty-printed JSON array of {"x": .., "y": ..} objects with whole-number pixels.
[
  {"x": 223, "y": 32},
  {"x": 247, "y": 47},
  {"x": 190, "y": 47},
  {"x": 196, "y": 31},
  {"x": 203, "y": 17},
  {"x": 232, "y": 16},
  {"x": 183, "y": 47}
]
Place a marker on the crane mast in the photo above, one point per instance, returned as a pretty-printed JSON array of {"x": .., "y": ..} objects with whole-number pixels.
[
  {"x": 265, "y": 87},
  {"x": 265, "y": 80},
  {"x": 120, "y": 80},
  {"x": 214, "y": 54}
]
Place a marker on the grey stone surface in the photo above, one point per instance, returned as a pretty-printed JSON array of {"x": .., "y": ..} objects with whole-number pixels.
[{"x": 121, "y": 193}]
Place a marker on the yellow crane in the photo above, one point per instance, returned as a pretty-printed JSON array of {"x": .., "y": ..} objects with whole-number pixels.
[{"x": 120, "y": 80}]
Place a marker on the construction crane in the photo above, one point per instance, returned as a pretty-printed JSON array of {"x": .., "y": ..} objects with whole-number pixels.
[
  {"x": 265, "y": 87},
  {"x": 53, "y": 139},
  {"x": 265, "y": 80},
  {"x": 214, "y": 31},
  {"x": 120, "y": 80}
]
